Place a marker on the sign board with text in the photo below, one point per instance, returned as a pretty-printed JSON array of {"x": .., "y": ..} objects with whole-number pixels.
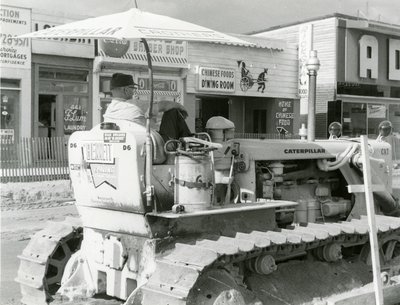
[
  {"x": 305, "y": 46},
  {"x": 216, "y": 80},
  {"x": 284, "y": 115},
  {"x": 15, "y": 52},
  {"x": 164, "y": 53}
]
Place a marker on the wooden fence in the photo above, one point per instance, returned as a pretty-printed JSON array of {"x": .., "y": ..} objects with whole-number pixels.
[{"x": 34, "y": 159}]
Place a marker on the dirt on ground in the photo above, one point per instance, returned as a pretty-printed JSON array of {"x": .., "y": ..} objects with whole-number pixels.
[
  {"x": 293, "y": 283},
  {"x": 31, "y": 195},
  {"x": 308, "y": 282}
]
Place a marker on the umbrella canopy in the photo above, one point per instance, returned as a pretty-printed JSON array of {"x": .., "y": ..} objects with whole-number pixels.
[{"x": 136, "y": 24}]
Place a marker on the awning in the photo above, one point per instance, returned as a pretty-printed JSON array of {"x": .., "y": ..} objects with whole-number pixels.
[
  {"x": 159, "y": 93},
  {"x": 367, "y": 99},
  {"x": 262, "y": 42}
]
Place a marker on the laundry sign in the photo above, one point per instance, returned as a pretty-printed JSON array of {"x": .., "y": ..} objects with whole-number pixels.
[{"x": 216, "y": 79}]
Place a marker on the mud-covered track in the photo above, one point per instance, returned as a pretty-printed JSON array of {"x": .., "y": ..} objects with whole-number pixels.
[
  {"x": 178, "y": 270},
  {"x": 42, "y": 262}
]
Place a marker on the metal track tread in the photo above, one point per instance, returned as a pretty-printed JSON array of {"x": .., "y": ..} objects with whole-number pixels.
[
  {"x": 47, "y": 249},
  {"x": 178, "y": 271}
]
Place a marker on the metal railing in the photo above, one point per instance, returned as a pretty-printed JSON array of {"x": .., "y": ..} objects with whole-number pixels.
[{"x": 34, "y": 159}]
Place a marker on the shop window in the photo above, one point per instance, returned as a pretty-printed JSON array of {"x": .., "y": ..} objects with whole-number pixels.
[
  {"x": 354, "y": 119},
  {"x": 75, "y": 113},
  {"x": 359, "y": 89},
  {"x": 375, "y": 114},
  {"x": 62, "y": 80},
  {"x": 395, "y": 92},
  {"x": 63, "y": 101},
  {"x": 105, "y": 94},
  {"x": 68, "y": 75},
  {"x": 9, "y": 104},
  {"x": 394, "y": 117},
  {"x": 62, "y": 86}
]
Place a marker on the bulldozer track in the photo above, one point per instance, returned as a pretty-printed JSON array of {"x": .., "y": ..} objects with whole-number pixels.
[
  {"x": 177, "y": 272},
  {"x": 42, "y": 262}
]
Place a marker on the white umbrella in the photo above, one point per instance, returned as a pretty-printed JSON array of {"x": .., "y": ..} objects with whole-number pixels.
[{"x": 137, "y": 24}]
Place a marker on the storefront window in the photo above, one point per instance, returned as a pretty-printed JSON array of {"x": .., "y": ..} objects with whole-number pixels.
[
  {"x": 75, "y": 113},
  {"x": 105, "y": 94},
  {"x": 361, "y": 118},
  {"x": 376, "y": 114},
  {"x": 56, "y": 86},
  {"x": 63, "y": 101},
  {"x": 68, "y": 75},
  {"x": 354, "y": 119},
  {"x": 10, "y": 96},
  {"x": 394, "y": 117}
]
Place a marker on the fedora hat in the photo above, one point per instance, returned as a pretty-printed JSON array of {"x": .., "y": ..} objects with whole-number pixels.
[{"x": 121, "y": 80}]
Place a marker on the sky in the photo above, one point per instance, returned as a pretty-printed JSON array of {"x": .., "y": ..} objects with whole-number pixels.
[
  {"x": 229, "y": 16},
  {"x": 243, "y": 16}
]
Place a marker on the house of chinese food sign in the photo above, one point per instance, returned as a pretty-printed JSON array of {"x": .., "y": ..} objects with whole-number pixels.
[
  {"x": 216, "y": 80},
  {"x": 284, "y": 115}
]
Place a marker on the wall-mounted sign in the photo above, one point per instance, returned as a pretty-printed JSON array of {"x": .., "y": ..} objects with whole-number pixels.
[
  {"x": 114, "y": 47},
  {"x": 75, "y": 118},
  {"x": 158, "y": 84},
  {"x": 284, "y": 116},
  {"x": 6, "y": 136},
  {"x": 305, "y": 45},
  {"x": 15, "y": 52},
  {"x": 247, "y": 81},
  {"x": 216, "y": 80},
  {"x": 163, "y": 53},
  {"x": 369, "y": 58}
]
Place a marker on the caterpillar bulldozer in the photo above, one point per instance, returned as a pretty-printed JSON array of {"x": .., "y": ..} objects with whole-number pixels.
[{"x": 211, "y": 219}]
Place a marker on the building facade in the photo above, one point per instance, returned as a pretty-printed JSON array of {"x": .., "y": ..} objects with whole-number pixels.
[
  {"x": 46, "y": 85},
  {"x": 53, "y": 87},
  {"x": 255, "y": 87},
  {"x": 358, "y": 83}
]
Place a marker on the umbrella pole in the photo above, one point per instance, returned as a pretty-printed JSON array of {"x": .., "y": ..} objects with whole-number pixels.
[{"x": 149, "y": 154}]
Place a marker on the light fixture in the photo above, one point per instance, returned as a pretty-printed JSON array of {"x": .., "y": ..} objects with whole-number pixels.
[{"x": 313, "y": 63}]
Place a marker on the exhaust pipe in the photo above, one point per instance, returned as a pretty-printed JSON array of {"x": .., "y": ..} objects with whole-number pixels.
[{"x": 312, "y": 67}]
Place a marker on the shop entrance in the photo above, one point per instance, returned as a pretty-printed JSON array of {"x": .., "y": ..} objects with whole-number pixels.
[
  {"x": 48, "y": 115},
  {"x": 209, "y": 107}
]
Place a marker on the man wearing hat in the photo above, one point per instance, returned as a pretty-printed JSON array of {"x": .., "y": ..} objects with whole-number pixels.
[{"x": 124, "y": 107}]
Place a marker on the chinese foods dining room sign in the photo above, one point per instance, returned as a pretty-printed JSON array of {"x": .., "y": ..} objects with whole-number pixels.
[{"x": 216, "y": 80}]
